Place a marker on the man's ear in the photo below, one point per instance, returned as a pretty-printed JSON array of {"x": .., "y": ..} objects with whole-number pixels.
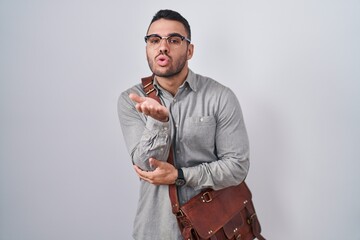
[{"x": 190, "y": 51}]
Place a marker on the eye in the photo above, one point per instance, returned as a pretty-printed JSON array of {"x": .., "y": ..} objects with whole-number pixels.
[
  {"x": 175, "y": 40},
  {"x": 153, "y": 40}
]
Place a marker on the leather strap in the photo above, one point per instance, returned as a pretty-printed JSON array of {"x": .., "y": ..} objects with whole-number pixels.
[{"x": 148, "y": 86}]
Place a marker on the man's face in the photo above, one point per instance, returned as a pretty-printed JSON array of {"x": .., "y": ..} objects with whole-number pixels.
[{"x": 167, "y": 61}]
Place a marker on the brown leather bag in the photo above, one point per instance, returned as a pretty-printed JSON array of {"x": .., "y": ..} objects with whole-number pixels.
[{"x": 226, "y": 214}]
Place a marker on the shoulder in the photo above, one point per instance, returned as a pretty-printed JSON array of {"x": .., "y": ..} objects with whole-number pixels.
[
  {"x": 124, "y": 99},
  {"x": 138, "y": 89},
  {"x": 210, "y": 86}
]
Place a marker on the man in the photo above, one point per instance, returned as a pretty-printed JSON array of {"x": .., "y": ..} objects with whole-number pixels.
[{"x": 200, "y": 118}]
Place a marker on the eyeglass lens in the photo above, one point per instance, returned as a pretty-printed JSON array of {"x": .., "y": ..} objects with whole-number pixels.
[{"x": 155, "y": 41}]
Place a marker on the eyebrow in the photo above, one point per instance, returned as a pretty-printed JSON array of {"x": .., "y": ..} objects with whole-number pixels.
[{"x": 170, "y": 34}]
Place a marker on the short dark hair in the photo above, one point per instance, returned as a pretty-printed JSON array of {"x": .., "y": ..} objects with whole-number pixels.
[{"x": 172, "y": 15}]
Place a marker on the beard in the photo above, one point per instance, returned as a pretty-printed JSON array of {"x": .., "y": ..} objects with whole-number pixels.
[{"x": 174, "y": 69}]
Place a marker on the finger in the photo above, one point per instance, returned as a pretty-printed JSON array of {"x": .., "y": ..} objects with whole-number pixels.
[
  {"x": 156, "y": 112},
  {"x": 136, "y": 98},
  {"x": 140, "y": 173},
  {"x": 137, "y": 170},
  {"x": 138, "y": 107},
  {"x": 144, "y": 109}
]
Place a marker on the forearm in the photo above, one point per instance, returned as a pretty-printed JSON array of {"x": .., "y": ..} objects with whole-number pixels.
[
  {"x": 154, "y": 142},
  {"x": 144, "y": 136},
  {"x": 218, "y": 174}
]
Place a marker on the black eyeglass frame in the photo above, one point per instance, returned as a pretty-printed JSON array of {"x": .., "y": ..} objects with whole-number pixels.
[{"x": 169, "y": 36}]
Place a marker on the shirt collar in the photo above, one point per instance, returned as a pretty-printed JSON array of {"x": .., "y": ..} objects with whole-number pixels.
[{"x": 190, "y": 81}]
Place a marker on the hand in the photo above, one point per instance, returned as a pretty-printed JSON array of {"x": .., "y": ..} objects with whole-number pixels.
[
  {"x": 150, "y": 107},
  {"x": 164, "y": 173}
]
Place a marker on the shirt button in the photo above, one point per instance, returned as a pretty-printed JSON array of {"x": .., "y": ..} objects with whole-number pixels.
[
  {"x": 201, "y": 119},
  {"x": 177, "y": 151},
  {"x": 174, "y": 100},
  {"x": 165, "y": 128}
]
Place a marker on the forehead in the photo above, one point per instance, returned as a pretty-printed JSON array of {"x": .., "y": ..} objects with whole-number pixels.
[{"x": 164, "y": 27}]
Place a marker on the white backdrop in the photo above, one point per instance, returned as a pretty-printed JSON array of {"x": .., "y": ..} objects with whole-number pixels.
[{"x": 294, "y": 65}]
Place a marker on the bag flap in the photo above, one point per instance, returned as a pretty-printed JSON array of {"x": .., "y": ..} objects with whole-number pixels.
[{"x": 211, "y": 210}]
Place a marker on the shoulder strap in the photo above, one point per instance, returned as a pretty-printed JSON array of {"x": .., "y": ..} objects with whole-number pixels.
[{"x": 148, "y": 86}]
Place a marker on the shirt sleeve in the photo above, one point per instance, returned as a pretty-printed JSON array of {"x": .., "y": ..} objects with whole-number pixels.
[
  {"x": 144, "y": 136},
  {"x": 231, "y": 148}
]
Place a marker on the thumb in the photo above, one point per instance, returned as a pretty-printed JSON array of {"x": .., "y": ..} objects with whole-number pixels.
[{"x": 154, "y": 163}]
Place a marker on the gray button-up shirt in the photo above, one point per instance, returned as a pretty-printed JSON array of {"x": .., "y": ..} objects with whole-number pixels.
[{"x": 208, "y": 135}]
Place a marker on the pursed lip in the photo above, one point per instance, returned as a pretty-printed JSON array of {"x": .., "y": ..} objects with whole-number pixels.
[{"x": 162, "y": 59}]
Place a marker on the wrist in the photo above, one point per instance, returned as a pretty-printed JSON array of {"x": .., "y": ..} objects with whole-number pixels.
[{"x": 180, "y": 180}]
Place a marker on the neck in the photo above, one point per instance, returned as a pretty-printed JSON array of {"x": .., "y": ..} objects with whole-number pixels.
[{"x": 172, "y": 84}]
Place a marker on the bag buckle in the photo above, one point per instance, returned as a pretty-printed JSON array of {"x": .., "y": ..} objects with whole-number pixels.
[
  {"x": 250, "y": 219},
  {"x": 179, "y": 214},
  {"x": 206, "y": 197}
]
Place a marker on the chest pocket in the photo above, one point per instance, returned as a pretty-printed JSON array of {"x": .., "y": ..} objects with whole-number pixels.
[{"x": 199, "y": 132}]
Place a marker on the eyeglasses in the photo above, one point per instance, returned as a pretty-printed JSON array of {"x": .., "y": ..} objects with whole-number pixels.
[{"x": 174, "y": 40}]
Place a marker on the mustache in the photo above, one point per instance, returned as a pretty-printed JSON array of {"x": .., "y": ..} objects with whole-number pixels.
[{"x": 164, "y": 54}]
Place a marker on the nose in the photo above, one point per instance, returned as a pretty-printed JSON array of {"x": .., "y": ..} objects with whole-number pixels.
[{"x": 164, "y": 46}]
